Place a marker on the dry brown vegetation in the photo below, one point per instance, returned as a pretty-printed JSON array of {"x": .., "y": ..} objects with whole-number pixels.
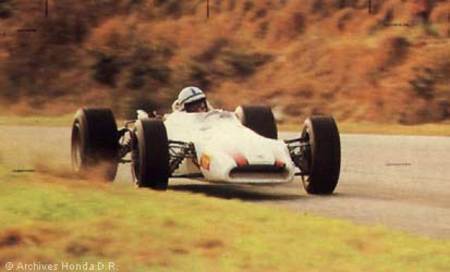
[{"x": 304, "y": 57}]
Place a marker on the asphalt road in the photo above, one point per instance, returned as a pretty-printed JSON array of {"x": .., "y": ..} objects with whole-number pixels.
[{"x": 402, "y": 182}]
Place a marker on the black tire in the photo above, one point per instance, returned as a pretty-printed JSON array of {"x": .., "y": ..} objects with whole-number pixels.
[
  {"x": 95, "y": 143},
  {"x": 150, "y": 154},
  {"x": 260, "y": 119},
  {"x": 324, "y": 158}
]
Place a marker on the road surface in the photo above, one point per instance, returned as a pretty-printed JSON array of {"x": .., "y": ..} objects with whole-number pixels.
[{"x": 402, "y": 182}]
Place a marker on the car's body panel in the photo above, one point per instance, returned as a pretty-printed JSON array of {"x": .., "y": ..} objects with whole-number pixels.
[{"x": 221, "y": 142}]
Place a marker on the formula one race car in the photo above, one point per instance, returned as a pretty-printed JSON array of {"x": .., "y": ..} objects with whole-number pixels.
[{"x": 216, "y": 146}]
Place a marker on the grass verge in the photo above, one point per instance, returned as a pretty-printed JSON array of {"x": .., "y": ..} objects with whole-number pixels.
[
  {"x": 47, "y": 121},
  {"x": 48, "y": 219}
]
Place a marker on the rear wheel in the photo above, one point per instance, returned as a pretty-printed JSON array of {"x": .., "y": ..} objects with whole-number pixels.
[
  {"x": 260, "y": 119},
  {"x": 324, "y": 155},
  {"x": 95, "y": 143},
  {"x": 150, "y": 154}
]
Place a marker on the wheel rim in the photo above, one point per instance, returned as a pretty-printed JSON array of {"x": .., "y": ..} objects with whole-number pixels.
[
  {"x": 136, "y": 166},
  {"x": 305, "y": 178}
]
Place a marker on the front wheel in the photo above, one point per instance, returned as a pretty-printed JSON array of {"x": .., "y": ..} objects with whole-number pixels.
[
  {"x": 150, "y": 155},
  {"x": 324, "y": 155},
  {"x": 260, "y": 119},
  {"x": 95, "y": 143}
]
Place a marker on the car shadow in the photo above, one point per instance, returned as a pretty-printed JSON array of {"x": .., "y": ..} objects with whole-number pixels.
[{"x": 234, "y": 192}]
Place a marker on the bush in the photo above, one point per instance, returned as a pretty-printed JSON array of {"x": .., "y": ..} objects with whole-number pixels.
[
  {"x": 223, "y": 60},
  {"x": 244, "y": 64},
  {"x": 145, "y": 74},
  {"x": 106, "y": 69},
  {"x": 175, "y": 8},
  {"x": 423, "y": 83},
  {"x": 211, "y": 52},
  {"x": 289, "y": 26},
  {"x": 392, "y": 52},
  {"x": 148, "y": 66},
  {"x": 6, "y": 10},
  {"x": 199, "y": 75}
]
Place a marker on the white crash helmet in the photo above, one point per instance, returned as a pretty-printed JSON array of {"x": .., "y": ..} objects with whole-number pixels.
[{"x": 189, "y": 95}]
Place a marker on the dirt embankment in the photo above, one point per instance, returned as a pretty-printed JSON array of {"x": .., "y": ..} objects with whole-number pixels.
[{"x": 304, "y": 57}]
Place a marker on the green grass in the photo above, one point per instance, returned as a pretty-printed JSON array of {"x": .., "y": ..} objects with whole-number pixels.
[
  {"x": 51, "y": 121},
  {"x": 50, "y": 219}
]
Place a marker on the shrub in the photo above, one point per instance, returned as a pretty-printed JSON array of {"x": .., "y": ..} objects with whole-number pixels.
[
  {"x": 392, "y": 52},
  {"x": 211, "y": 52},
  {"x": 423, "y": 83},
  {"x": 175, "y": 8},
  {"x": 6, "y": 10},
  {"x": 106, "y": 69},
  {"x": 244, "y": 64},
  {"x": 145, "y": 74},
  {"x": 289, "y": 25},
  {"x": 199, "y": 75}
]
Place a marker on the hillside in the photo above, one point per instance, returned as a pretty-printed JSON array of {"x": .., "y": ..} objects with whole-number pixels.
[{"x": 303, "y": 57}]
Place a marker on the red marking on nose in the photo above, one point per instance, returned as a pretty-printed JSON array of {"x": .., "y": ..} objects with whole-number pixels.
[
  {"x": 240, "y": 160},
  {"x": 280, "y": 164}
]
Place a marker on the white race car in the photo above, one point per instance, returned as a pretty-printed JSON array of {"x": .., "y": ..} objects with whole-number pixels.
[{"x": 216, "y": 146}]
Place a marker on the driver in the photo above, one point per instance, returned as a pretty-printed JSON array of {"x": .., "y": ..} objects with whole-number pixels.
[{"x": 191, "y": 99}]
